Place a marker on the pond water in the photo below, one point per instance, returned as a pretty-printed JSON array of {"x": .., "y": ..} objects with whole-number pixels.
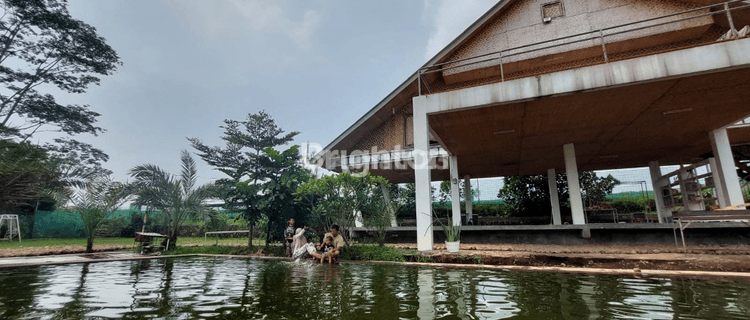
[{"x": 223, "y": 288}]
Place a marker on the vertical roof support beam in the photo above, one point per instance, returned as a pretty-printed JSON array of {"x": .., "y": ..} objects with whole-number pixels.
[
  {"x": 720, "y": 192},
  {"x": 574, "y": 187},
  {"x": 659, "y": 184},
  {"x": 727, "y": 170},
  {"x": 468, "y": 197},
  {"x": 422, "y": 179},
  {"x": 455, "y": 194},
  {"x": 553, "y": 197}
]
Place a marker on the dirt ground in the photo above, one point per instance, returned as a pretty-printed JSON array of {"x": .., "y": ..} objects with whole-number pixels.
[{"x": 735, "y": 258}]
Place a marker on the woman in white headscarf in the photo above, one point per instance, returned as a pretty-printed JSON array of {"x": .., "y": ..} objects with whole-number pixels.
[{"x": 300, "y": 247}]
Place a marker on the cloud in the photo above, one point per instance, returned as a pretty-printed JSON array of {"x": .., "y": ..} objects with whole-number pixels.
[
  {"x": 449, "y": 18},
  {"x": 229, "y": 18}
]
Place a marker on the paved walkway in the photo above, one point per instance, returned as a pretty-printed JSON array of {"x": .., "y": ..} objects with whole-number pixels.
[{"x": 69, "y": 258}]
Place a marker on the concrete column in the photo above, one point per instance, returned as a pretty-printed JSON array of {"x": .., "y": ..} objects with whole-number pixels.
[
  {"x": 422, "y": 177},
  {"x": 455, "y": 192},
  {"x": 727, "y": 170},
  {"x": 468, "y": 197},
  {"x": 344, "y": 162},
  {"x": 658, "y": 184},
  {"x": 681, "y": 176},
  {"x": 553, "y": 197},
  {"x": 721, "y": 194},
  {"x": 574, "y": 187}
]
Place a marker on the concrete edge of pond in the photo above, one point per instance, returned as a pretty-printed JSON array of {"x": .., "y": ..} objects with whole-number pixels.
[
  {"x": 32, "y": 261},
  {"x": 645, "y": 273}
]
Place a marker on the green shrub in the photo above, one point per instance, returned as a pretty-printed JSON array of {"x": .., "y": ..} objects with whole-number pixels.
[
  {"x": 372, "y": 253},
  {"x": 633, "y": 204}
]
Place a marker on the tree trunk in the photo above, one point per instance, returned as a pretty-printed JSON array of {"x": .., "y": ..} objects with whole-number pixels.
[
  {"x": 145, "y": 220},
  {"x": 250, "y": 237},
  {"x": 268, "y": 233},
  {"x": 90, "y": 244},
  {"x": 30, "y": 234},
  {"x": 172, "y": 241}
]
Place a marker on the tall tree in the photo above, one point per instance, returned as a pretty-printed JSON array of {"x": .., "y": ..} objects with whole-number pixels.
[
  {"x": 245, "y": 141},
  {"x": 177, "y": 197},
  {"x": 272, "y": 192},
  {"x": 25, "y": 171},
  {"x": 239, "y": 160},
  {"x": 42, "y": 44},
  {"x": 96, "y": 203}
]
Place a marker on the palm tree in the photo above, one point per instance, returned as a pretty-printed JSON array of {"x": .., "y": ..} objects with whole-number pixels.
[
  {"x": 96, "y": 203},
  {"x": 177, "y": 197}
]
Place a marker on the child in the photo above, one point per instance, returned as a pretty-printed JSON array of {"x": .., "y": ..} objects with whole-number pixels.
[{"x": 325, "y": 248}]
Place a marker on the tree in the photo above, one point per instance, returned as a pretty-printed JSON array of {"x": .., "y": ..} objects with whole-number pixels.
[
  {"x": 24, "y": 172},
  {"x": 445, "y": 191},
  {"x": 529, "y": 195},
  {"x": 96, "y": 203},
  {"x": 271, "y": 190},
  {"x": 379, "y": 211},
  {"x": 239, "y": 159},
  {"x": 177, "y": 197},
  {"x": 42, "y": 44},
  {"x": 335, "y": 199}
]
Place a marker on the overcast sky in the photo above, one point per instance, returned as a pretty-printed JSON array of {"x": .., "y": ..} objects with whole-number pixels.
[{"x": 316, "y": 66}]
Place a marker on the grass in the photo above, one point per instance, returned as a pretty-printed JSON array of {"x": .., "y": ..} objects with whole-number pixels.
[
  {"x": 30, "y": 243},
  {"x": 274, "y": 250},
  {"x": 370, "y": 252}
]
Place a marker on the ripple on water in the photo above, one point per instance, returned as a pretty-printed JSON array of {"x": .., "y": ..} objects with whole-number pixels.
[{"x": 244, "y": 288}]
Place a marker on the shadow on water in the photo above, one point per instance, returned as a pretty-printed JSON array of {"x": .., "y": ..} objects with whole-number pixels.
[{"x": 221, "y": 288}]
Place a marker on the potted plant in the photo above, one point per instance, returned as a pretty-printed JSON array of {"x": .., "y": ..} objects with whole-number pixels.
[
  {"x": 452, "y": 233},
  {"x": 452, "y": 237}
]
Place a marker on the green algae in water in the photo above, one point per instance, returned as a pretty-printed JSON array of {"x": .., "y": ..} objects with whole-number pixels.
[{"x": 222, "y": 288}]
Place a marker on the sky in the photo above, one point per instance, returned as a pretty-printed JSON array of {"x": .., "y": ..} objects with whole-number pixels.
[{"x": 315, "y": 66}]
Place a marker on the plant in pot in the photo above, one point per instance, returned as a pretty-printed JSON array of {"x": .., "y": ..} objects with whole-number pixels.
[
  {"x": 452, "y": 234},
  {"x": 452, "y": 237}
]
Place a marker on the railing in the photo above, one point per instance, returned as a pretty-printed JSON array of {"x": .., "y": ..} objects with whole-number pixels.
[
  {"x": 364, "y": 159},
  {"x": 600, "y": 34}
]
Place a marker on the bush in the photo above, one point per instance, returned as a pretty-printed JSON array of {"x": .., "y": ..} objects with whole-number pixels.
[
  {"x": 372, "y": 253},
  {"x": 493, "y": 210},
  {"x": 632, "y": 204}
]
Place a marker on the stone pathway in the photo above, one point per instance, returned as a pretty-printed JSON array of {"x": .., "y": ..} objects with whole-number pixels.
[{"x": 69, "y": 258}]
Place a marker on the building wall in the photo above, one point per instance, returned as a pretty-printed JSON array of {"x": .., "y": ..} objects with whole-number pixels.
[
  {"x": 521, "y": 24},
  {"x": 391, "y": 133}
]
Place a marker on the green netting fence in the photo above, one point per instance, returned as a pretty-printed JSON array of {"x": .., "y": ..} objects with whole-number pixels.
[{"x": 64, "y": 224}]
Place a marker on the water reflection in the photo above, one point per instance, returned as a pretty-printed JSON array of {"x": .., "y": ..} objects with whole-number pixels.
[{"x": 219, "y": 288}]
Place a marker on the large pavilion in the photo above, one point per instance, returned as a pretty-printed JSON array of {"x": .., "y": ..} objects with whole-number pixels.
[{"x": 544, "y": 86}]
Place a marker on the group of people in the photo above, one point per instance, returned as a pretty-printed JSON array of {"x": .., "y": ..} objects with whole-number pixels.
[{"x": 297, "y": 246}]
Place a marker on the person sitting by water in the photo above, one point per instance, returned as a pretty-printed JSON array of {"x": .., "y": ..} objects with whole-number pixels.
[
  {"x": 300, "y": 246},
  {"x": 327, "y": 249},
  {"x": 289, "y": 237},
  {"x": 338, "y": 244}
]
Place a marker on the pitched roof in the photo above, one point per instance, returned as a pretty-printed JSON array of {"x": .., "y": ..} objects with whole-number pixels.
[{"x": 406, "y": 90}]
